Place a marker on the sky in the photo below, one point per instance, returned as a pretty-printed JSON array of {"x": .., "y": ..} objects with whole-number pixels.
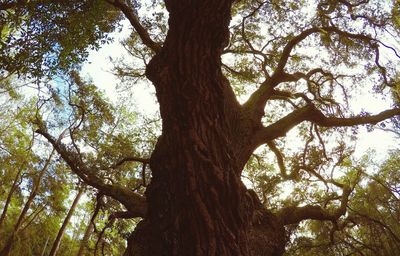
[{"x": 98, "y": 68}]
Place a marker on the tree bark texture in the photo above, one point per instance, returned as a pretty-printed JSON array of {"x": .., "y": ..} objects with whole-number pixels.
[{"x": 197, "y": 204}]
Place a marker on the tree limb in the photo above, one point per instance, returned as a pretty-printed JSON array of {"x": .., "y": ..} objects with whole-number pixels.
[
  {"x": 134, "y": 20},
  {"x": 121, "y": 215},
  {"x": 322, "y": 120},
  {"x": 130, "y": 159},
  {"x": 258, "y": 99},
  {"x": 303, "y": 35},
  {"x": 293, "y": 214},
  {"x": 312, "y": 114},
  {"x": 293, "y": 175},
  {"x": 135, "y": 203},
  {"x": 282, "y": 126}
]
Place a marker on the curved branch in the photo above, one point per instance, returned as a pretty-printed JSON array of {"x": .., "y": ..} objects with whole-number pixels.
[
  {"x": 312, "y": 114},
  {"x": 282, "y": 126},
  {"x": 258, "y": 99},
  {"x": 303, "y": 35},
  {"x": 135, "y": 203},
  {"x": 289, "y": 47},
  {"x": 293, "y": 175},
  {"x": 293, "y": 214},
  {"x": 134, "y": 20}
]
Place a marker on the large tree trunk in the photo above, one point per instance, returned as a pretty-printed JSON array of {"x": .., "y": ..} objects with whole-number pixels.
[{"x": 197, "y": 204}]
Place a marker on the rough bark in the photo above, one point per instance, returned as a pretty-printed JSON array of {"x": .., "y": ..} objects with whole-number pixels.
[
  {"x": 57, "y": 241},
  {"x": 196, "y": 199},
  {"x": 197, "y": 204}
]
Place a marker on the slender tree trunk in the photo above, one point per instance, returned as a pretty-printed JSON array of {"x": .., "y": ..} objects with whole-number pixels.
[
  {"x": 10, "y": 193},
  {"x": 89, "y": 228},
  {"x": 84, "y": 243},
  {"x": 45, "y": 246},
  {"x": 10, "y": 241},
  {"x": 61, "y": 232}
]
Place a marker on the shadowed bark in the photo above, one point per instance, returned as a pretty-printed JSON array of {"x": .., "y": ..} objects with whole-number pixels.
[{"x": 197, "y": 203}]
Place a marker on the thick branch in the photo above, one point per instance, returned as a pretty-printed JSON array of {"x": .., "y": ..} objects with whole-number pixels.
[
  {"x": 258, "y": 99},
  {"x": 357, "y": 120},
  {"x": 134, "y": 20},
  {"x": 122, "y": 215},
  {"x": 312, "y": 114},
  {"x": 134, "y": 202},
  {"x": 282, "y": 126},
  {"x": 293, "y": 214}
]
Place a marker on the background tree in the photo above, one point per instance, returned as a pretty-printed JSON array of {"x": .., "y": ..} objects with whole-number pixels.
[{"x": 230, "y": 77}]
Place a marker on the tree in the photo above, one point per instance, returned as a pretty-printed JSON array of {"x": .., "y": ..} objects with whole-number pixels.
[
  {"x": 89, "y": 229},
  {"x": 369, "y": 227},
  {"x": 196, "y": 202},
  {"x": 33, "y": 181},
  {"x": 63, "y": 227},
  {"x": 7, "y": 248}
]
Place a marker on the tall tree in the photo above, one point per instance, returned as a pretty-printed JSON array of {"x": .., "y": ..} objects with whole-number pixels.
[
  {"x": 35, "y": 188},
  {"x": 196, "y": 203},
  {"x": 61, "y": 231},
  {"x": 9, "y": 195},
  {"x": 90, "y": 226}
]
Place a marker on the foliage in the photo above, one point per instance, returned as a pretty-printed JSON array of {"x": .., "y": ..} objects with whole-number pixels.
[
  {"x": 371, "y": 226},
  {"x": 41, "y": 37},
  {"x": 284, "y": 58}
]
